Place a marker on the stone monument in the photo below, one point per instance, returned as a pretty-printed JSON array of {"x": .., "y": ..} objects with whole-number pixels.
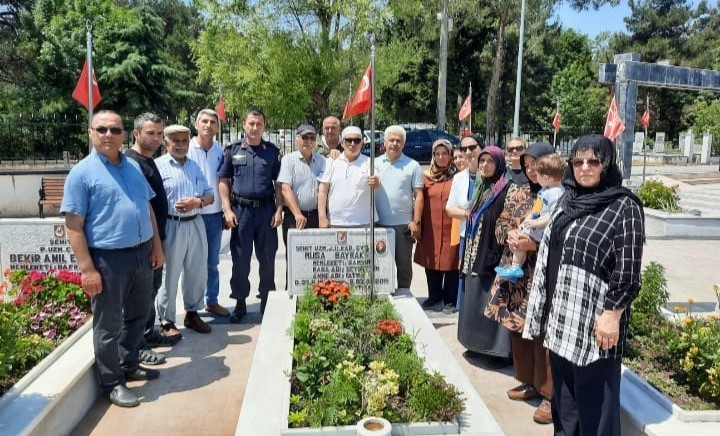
[
  {"x": 639, "y": 142},
  {"x": 39, "y": 244},
  {"x": 343, "y": 255},
  {"x": 687, "y": 142},
  {"x": 706, "y": 148},
  {"x": 659, "y": 146}
]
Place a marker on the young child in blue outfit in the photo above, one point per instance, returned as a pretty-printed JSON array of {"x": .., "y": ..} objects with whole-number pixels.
[{"x": 550, "y": 170}]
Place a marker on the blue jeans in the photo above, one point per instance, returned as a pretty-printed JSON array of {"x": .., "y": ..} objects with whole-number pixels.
[{"x": 213, "y": 230}]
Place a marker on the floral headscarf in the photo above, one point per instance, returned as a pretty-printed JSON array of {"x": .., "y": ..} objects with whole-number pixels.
[{"x": 437, "y": 173}]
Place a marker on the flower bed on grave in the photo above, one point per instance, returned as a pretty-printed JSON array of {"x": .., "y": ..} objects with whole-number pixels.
[
  {"x": 351, "y": 360},
  {"x": 680, "y": 357},
  {"x": 38, "y": 311}
]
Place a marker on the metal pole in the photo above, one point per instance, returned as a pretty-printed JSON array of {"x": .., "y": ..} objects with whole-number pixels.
[
  {"x": 442, "y": 74},
  {"x": 470, "y": 119},
  {"x": 91, "y": 73},
  {"x": 516, "y": 118},
  {"x": 372, "y": 165},
  {"x": 557, "y": 108},
  {"x": 647, "y": 108}
]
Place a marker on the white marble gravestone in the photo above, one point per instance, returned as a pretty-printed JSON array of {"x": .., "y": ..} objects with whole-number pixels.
[
  {"x": 341, "y": 254},
  {"x": 639, "y": 142},
  {"x": 688, "y": 145},
  {"x": 659, "y": 146},
  {"x": 35, "y": 244},
  {"x": 706, "y": 148}
]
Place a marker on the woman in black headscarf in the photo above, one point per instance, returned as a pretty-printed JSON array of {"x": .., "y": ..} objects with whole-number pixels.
[
  {"x": 476, "y": 332},
  {"x": 508, "y": 301},
  {"x": 586, "y": 276}
]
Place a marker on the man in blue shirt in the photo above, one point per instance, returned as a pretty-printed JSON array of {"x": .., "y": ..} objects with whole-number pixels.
[
  {"x": 208, "y": 153},
  {"x": 399, "y": 201},
  {"x": 185, "y": 240},
  {"x": 114, "y": 236},
  {"x": 252, "y": 207}
]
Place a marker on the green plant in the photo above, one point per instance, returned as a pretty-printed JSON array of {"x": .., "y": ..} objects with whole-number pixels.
[
  {"x": 352, "y": 360},
  {"x": 37, "y": 312},
  {"x": 645, "y": 310},
  {"x": 655, "y": 195},
  {"x": 696, "y": 350}
]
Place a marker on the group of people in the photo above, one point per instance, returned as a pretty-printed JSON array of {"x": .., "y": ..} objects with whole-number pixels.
[
  {"x": 541, "y": 258},
  {"x": 550, "y": 262}
]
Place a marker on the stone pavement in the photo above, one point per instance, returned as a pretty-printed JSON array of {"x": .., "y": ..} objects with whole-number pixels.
[{"x": 201, "y": 387}]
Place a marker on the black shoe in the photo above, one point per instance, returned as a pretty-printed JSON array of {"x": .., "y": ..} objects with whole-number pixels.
[
  {"x": 157, "y": 339},
  {"x": 123, "y": 397},
  {"x": 239, "y": 312},
  {"x": 141, "y": 374},
  {"x": 430, "y": 303}
]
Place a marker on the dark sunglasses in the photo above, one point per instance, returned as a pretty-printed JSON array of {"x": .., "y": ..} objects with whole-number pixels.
[
  {"x": 579, "y": 162},
  {"x": 308, "y": 137},
  {"x": 469, "y": 147},
  {"x": 516, "y": 148},
  {"x": 352, "y": 140},
  {"x": 103, "y": 130}
]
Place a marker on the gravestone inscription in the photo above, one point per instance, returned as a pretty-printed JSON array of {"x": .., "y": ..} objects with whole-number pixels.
[
  {"x": 343, "y": 255},
  {"x": 35, "y": 245}
]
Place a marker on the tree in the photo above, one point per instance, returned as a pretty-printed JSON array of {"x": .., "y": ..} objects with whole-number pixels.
[{"x": 288, "y": 57}]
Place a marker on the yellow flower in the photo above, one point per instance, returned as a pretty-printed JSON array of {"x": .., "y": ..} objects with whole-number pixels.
[
  {"x": 688, "y": 321},
  {"x": 691, "y": 301}
]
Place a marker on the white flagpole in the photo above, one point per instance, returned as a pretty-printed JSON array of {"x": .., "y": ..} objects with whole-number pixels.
[
  {"x": 372, "y": 165},
  {"x": 220, "y": 130},
  {"x": 647, "y": 108},
  {"x": 470, "y": 119},
  {"x": 557, "y": 108},
  {"x": 90, "y": 79}
]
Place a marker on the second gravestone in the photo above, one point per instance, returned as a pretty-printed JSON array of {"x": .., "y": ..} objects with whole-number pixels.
[{"x": 340, "y": 254}]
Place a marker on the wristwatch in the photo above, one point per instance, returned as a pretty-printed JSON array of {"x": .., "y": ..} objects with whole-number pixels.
[{"x": 417, "y": 222}]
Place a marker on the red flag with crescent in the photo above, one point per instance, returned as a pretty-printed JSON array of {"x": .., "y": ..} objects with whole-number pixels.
[
  {"x": 363, "y": 97},
  {"x": 613, "y": 124},
  {"x": 81, "y": 93},
  {"x": 465, "y": 109},
  {"x": 645, "y": 120},
  {"x": 220, "y": 109},
  {"x": 556, "y": 120}
]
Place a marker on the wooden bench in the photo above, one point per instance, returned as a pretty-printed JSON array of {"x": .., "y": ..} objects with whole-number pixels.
[{"x": 51, "y": 192}]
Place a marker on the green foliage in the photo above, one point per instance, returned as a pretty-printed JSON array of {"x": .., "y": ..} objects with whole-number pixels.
[
  {"x": 707, "y": 119},
  {"x": 645, "y": 314},
  {"x": 655, "y": 195},
  {"x": 350, "y": 361},
  {"x": 695, "y": 346}
]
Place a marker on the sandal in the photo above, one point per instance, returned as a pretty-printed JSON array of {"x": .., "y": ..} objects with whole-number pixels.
[
  {"x": 156, "y": 339},
  {"x": 150, "y": 357}
]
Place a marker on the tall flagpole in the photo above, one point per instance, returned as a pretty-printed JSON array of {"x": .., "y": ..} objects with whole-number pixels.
[
  {"x": 372, "y": 165},
  {"x": 220, "y": 130},
  {"x": 557, "y": 108},
  {"x": 470, "y": 119},
  {"x": 647, "y": 108},
  {"x": 91, "y": 74}
]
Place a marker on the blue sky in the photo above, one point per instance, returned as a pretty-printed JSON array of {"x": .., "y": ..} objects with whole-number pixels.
[
  {"x": 591, "y": 22},
  {"x": 607, "y": 18}
]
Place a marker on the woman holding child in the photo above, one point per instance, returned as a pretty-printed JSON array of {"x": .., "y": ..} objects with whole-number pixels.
[{"x": 508, "y": 301}]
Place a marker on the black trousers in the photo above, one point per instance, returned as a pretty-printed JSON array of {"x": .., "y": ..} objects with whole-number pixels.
[
  {"x": 120, "y": 311},
  {"x": 313, "y": 222},
  {"x": 442, "y": 285},
  {"x": 585, "y": 399}
]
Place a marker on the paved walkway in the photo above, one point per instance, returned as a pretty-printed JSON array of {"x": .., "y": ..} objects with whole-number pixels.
[{"x": 201, "y": 386}]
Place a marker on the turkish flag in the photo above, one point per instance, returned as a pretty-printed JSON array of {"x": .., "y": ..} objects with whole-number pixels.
[
  {"x": 645, "y": 120},
  {"x": 220, "y": 109},
  {"x": 614, "y": 125},
  {"x": 347, "y": 108},
  {"x": 81, "y": 93},
  {"x": 556, "y": 120},
  {"x": 465, "y": 109},
  {"x": 363, "y": 97}
]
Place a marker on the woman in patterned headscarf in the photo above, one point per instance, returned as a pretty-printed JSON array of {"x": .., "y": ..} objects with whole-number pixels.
[
  {"x": 586, "y": 276},
  {"x": 476, "y": 332},
  {"x": 434, "y": 251}
]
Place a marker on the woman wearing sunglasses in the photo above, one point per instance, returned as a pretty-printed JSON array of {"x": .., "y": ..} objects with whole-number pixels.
[{"x": 586, "y": 276}]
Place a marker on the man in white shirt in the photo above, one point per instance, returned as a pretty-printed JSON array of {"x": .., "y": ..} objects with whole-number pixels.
[
  {"x": 208, "y": 154},
  {"x": 344, "y": 192}
]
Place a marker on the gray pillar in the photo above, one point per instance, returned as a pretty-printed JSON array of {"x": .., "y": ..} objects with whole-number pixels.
[{"x": 626, "y": 95}]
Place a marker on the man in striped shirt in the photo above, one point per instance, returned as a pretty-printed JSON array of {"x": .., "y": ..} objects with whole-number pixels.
[{"x": 185, "y": 241}]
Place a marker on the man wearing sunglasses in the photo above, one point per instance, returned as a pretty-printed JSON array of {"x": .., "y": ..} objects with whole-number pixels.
[
  {"x": 399, "y": 200},
  {"x": 299, "y": 174},
  {"x": 344, "y": 191},
  {"x": 114, "y": 236},
  {"x": 514, "y": 149}
]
